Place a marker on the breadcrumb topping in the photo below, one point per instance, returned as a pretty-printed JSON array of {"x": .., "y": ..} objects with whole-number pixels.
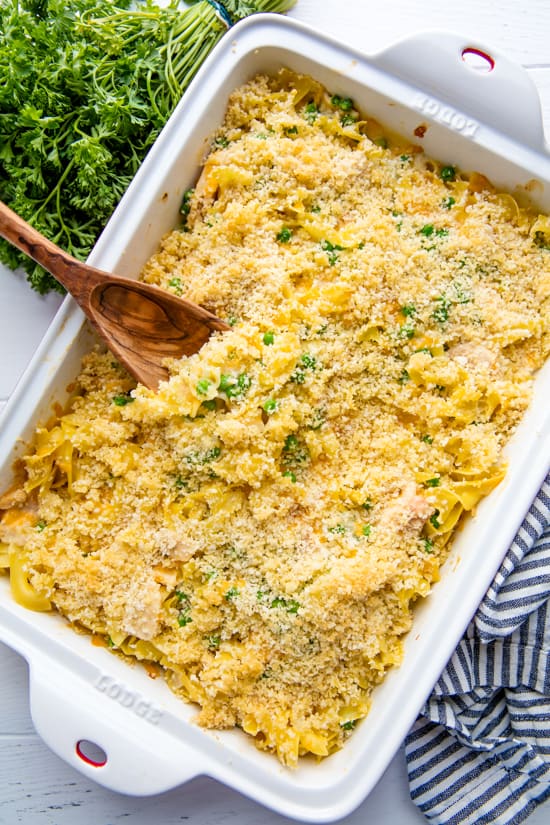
[{"x": 263, "y": 525}]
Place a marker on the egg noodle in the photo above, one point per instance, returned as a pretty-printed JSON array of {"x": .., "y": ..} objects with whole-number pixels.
[{"x": 261, "y": 527}]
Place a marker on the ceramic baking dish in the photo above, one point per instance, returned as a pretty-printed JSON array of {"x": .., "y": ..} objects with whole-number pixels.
[{"x": 486, "y": 121}]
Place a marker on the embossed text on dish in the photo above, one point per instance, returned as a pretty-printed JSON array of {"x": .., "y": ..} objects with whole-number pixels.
[
  {"x": 445, "y": 114},
  {"x": 131, "y": 699}
]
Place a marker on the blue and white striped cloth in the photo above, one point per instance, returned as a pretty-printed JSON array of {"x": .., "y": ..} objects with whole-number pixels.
[{"x": 480, "y": 751}]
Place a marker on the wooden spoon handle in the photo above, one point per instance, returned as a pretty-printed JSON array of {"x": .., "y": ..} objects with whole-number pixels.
[{"x": 66, "y": 269}]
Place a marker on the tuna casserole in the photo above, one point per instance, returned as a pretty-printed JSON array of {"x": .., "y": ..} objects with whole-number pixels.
[{"x": 261, "y": 527}]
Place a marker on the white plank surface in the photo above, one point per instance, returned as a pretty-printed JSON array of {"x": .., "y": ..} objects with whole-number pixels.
[{"x": 36, "y": 788}]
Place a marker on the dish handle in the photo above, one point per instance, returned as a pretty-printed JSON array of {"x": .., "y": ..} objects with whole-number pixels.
[
  {"x": 476, "y": 79},
  {"x": 115, "y": 746}
]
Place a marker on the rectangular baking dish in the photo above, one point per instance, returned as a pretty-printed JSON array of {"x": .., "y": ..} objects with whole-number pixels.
[{"x": 489, "y": 122}]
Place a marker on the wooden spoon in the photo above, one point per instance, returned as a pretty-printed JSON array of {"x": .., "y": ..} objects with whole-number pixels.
[{"x": 140, "y": 323}]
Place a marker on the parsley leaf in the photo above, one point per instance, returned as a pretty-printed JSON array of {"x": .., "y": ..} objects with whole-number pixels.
[{"x": 87, "y": 85}]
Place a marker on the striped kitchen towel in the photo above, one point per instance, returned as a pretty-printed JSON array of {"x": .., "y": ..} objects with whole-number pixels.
[{"x": 480, "y": 751}]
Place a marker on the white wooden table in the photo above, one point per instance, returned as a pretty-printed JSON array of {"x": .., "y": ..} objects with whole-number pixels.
[{"x": 36, "y": 788}]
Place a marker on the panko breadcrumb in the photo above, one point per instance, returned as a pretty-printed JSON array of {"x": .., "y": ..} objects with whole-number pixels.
[{"x": 262, "y": 525}]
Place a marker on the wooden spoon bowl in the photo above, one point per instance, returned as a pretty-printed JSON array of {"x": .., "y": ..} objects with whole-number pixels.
[{"x": 140, "y": 323}]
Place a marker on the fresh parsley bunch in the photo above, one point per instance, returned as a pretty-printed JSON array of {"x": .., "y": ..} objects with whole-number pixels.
[{"x": 86, "y": 87}]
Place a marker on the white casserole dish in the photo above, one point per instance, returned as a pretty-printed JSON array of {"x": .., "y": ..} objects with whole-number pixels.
[{"x": 489, "y": 122}]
